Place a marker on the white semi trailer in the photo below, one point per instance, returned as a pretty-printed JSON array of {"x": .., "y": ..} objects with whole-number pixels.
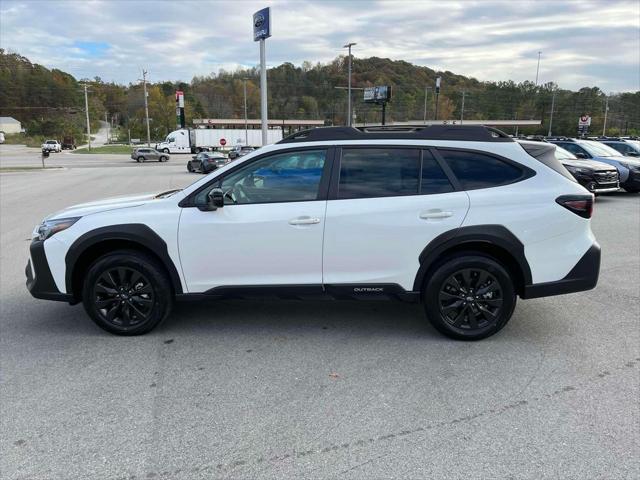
[{"x": 195, "y": 140}]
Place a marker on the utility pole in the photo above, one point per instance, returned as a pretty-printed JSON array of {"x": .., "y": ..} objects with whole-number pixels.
[
  {"x": 538, "y": 68},
  {"x": 462, "y": 112},
  {"x": 426, "y": 92},
  {"x": 146, "y": 106},
  {"x": 86, "y": 109},
  {"x": 108, "y": 129},
  {"x": 438, "y": 80},
  {"x": 606, "y": 110},
  {"x": 263, "y": 90},
  {"x": 246, "y": 122},
  {"x": 349, "y": 120},
  {"x": 553, "y": 104}
]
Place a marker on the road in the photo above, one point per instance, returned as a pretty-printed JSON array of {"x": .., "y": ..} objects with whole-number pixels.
[{"x": 320, "y": 389}]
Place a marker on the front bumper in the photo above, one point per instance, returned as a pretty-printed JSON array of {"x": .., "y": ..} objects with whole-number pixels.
[
  {"x": 632, "y": 181},
  {"x": 583, "y": 276},
  {"x": 41, "y": 285}
]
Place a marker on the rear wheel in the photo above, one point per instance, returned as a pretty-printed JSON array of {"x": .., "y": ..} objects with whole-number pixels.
[
  {"x": 140, "y": 159},
  {"x": 469, "y": 297},
  {"x": 127, "y": 293}
]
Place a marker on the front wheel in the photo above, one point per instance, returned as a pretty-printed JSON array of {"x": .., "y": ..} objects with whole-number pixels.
[
  {"x": 163, "y": 159},
  {"x": 127, "y": 293},
  {"x": 469, "y": 297}
]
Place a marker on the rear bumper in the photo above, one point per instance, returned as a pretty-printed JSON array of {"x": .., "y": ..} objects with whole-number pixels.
[
  {"x": 41, "y": 285},
  {"x": 583, "y": 276}
]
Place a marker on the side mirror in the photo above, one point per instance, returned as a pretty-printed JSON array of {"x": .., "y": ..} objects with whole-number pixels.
[
  {"x": 580, "y": 155},
  {"x": 633, "y": 154},
  {"x": 215, "y": 200}
]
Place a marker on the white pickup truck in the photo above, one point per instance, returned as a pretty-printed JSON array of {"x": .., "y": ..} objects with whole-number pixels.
[{"x": 52, "y": 146}]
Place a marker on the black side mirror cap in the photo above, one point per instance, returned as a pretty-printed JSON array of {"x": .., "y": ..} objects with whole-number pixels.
[
  {"x": 215, "y": 200},
  {"x": 580, "y": 155}
]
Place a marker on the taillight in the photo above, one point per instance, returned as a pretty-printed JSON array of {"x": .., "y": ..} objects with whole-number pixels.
[{"x": 579, "y": 204}]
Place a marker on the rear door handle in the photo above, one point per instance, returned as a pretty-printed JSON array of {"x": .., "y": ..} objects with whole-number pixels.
[
  {"x": 304, "y": 221},
  {"x": 435, "y": 214}
]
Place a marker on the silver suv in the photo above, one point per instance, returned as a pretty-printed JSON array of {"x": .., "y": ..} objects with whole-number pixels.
[{"x": 142, "y": 154}]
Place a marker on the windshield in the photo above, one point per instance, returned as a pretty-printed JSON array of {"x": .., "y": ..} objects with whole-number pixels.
[
  {"x": 562, "y": 154},
  {"x": 598, "y": 149}
]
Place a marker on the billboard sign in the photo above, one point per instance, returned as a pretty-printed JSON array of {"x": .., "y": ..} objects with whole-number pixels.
[
  {"x": 379, "y": 94},
  {"x": 262, "y": 24}
]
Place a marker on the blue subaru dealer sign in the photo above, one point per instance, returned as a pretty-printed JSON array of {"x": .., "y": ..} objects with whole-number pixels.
[{"x": 262, "y": 24}]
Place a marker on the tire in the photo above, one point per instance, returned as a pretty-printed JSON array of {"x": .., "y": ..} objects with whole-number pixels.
[
  {"x": 166, "y": 150},
  {"x": 468, "y": 316},
  {"x": 141, "y": 159},
  {"x": 107, "y": 284},
  {"x": 163, "y": 159},
  {"x": 189, "y": 167}
]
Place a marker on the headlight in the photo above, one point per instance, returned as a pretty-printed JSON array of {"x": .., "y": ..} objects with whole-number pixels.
[
  {"x": 50, "y": 227},
  {"x": 576, "y": 169}
]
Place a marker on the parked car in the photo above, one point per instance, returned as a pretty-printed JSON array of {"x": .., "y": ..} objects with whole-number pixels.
[
  {"x": 597, "y": 177},
  {"x": 206, "y": 162},
  {"x": 441, "y": 215},
  {"x": 240, "y": 152},
  {"x": 68, "y": 143},
  {"x": 625, "y": 146},
  {"x": 2, "y": 137},
  {"x": 628, "y": 167},
  {"x": 142, "y": 154},
  {"x": 51, "y": 146}
]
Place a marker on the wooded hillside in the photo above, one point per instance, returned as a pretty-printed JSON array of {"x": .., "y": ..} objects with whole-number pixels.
[{"x": 51, "y": 102}]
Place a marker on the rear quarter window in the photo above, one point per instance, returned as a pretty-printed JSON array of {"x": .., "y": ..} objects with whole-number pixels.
[{"x": 478, "y": 170}]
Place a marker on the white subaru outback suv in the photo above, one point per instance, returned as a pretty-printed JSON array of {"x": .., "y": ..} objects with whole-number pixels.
[{"x": 459, "y": 218}]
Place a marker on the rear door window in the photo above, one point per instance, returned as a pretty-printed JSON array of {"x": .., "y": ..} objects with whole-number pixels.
[
  {"x": 478, "y": 170},
  {"x": 378, "y": 172}
]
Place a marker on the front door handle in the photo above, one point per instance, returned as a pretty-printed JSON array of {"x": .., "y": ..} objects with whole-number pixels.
[
  {"x": 435, "y": 214},
  {"x": 304, "y": 221}
]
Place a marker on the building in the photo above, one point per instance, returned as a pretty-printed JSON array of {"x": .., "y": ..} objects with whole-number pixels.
[
  {"x": 287, "y": 126},
  {"x": 10, "y": 125}
]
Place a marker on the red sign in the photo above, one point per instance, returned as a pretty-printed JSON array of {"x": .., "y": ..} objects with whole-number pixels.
[{"x": 223, "y": 142}]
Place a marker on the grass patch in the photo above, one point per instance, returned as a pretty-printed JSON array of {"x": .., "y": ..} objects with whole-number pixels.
[
  {"x": 107, "y": 149},
  {"x": 22, "y": 139},
  {"x": 27, "y": 169}
]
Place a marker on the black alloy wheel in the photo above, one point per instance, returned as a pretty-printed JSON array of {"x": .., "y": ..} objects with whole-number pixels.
[
  {"x": 127, "y": 292},
  {"x": 123, "y": 297},
  {"x": 469, "y": 296},
  {"x": 470, "y": 299}
]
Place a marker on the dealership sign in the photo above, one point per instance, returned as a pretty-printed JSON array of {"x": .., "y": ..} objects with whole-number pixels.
[
  {"x": 262, "y": 24},
  {"x": 379, "y": 94}
]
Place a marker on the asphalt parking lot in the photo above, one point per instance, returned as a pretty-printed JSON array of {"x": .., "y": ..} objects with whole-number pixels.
[{"x": 322, "y": 389}]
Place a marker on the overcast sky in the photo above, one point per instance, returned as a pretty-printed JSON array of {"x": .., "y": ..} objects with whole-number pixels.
[{"x": 583, "y": 43}]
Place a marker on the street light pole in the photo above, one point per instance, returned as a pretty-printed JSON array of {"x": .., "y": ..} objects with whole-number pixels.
[
  {"x": 464, "y": 93},
  {"x": 349, "y": 45},
  {"x": 246, "y": 128},
  {"x": 553, "y": 105},
  {"x": 604, "y": 125},
  {"x": 146, "y": 106},
  {"x": 86, "y": 109},
  {"x": 538, "y": 68},
  {"x": 426, "y": 94}
]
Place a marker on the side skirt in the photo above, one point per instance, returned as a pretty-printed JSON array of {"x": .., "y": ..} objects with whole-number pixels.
[{"x": 375, "y": 291}]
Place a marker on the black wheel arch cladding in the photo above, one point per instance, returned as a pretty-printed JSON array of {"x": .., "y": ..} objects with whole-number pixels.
[
  {"x": 133, "y": 233},
  {"x": 489, "y": 236}
]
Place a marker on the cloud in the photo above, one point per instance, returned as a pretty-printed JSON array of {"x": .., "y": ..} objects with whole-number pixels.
[{"x": 583, "y": 43}]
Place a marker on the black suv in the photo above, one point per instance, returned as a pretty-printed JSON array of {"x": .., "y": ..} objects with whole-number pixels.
[{"x": 597, "y": 177}]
